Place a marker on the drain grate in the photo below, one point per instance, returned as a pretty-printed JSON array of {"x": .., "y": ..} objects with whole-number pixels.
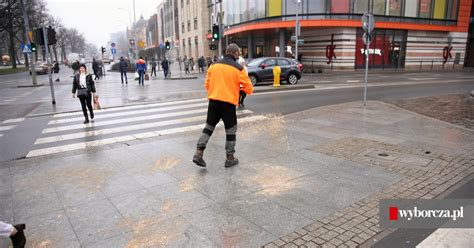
[{"x": 382, "y": 155}]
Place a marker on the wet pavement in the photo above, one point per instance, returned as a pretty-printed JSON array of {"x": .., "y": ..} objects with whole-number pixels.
[{"x": 297, "y": 175}]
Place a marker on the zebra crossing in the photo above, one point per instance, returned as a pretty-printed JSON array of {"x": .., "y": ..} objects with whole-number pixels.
[
  {"x": 66, "y": 132},
  {"x": 9, "y": 124}
]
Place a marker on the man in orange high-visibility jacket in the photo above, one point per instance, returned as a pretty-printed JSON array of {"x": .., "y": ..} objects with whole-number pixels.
[{"x": 223, "y": 84}]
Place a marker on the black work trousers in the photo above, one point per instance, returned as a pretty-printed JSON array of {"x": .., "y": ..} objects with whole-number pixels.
[{"x": 216, "y": 111}]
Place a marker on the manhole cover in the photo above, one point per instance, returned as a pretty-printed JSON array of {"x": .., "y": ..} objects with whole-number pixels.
[
  {"x": 383, "y": 154},
  {"x": 427, "y": 152}
]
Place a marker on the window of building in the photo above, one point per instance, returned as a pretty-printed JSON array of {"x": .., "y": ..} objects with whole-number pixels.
[
  {"x": 453, "y": 10},
  {"x": 261, "y": 8},
  {"x": 361, "y": 6},
  {"x": 245, "y": 14},
  {"x": 189, "y": 26},
  {"x": 439, "y": 9},
  {"x": 316, "y": 7},
  {"x": 237, "y": 11},
  {"x": 411, "y": 8},
  {"x": 425, "y": 9},
  {"x": 189, "y": 41},
  {"x": 184, "y": 42},
  {"x": 195, "y": 23},
  {"x": 378, "y": 7},
  {"x": 182, "y": 27},
  {"x": 187, "y": 1},
  {"x": 394, "y": 8},
  {"x": 195, "y": 40},
  {"x": 274, "y": 8},
  {"x": 252, "y": 9},
  {"x": 339, "y": 6},
  {"x": 290, "y": 7}
]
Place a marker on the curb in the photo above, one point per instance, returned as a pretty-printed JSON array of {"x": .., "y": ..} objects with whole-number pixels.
[
  {"x": 181, "y": 78},
  {"x": 284, "y": 88},
  {"x": 29, "y": 86}
]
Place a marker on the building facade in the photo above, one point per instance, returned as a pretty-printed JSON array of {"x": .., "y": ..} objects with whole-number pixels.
[
  {"x": 168, "y": 26},
  {"x": 194, "y": 27},
  {"x": 408, "y": 33}
]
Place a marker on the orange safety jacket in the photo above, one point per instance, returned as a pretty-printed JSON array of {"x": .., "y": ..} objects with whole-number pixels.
[{"x": 224, "y": 80}]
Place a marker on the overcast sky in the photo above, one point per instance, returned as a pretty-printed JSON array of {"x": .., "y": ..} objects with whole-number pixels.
[{"x": 96, "y": 19}]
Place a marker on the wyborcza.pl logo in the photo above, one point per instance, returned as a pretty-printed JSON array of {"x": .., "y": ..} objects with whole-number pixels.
[
  {"x": 410, "y": 214},
  {"x": 425, "y": 213}
]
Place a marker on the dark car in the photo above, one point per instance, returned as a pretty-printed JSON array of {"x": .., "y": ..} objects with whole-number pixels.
[{"x": 261, "y": 69}]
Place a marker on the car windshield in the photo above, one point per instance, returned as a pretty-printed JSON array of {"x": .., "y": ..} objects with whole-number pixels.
[{"x": 255, "y": 62}]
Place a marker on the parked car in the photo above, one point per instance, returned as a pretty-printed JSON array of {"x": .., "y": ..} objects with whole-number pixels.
[
  {"x": 261, "y": 69},
  {"x": 41, "y": 68}
]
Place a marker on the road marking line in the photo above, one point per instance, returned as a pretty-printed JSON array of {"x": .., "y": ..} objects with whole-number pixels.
[
  {"x": 1, "y": 135},
  {"x": 420, "y": 79},
  {"x": 126, "y": 128},
  {"x": 125, "y": 120},
  {"x": 96, "y": 143},
  {"x": 134, "y": 107},
  {"x": 352, "y": 81},
  {"x": 126, "y": 113},
  {"x": 13, "y": 120},
  {"x": 4, "y": 128}
]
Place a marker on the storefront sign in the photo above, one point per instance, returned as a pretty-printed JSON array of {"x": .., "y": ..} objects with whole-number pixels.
[{"x": 372, "y": 51}]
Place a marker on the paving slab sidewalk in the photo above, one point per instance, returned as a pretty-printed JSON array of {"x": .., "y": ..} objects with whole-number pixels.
[{"x": 307, "y": 179}]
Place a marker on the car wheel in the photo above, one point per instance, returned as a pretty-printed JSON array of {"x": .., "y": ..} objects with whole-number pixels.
[
  {"x": 253, "y": 79},
  {"x": 292, "y": 79}
]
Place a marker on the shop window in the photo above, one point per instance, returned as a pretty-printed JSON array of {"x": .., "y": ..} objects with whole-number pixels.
[
  {"x": 411, "y": 8},
  {"x": 339, "y": 6},
  {"x": 387, "y": 49}
]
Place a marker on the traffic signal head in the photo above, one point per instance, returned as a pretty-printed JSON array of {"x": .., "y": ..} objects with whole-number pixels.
[
  {"x": 33, "y": 47},
  {"x": 215, "y": 32},
  {"x": 39, "y": 37},
  {"x": 102, "y": 49},
  {"x": 51, "y": 36},
  {"x": 167, "y": 45}
]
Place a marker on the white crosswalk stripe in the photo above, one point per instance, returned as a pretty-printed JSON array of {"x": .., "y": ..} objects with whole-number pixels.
[
  {"x": 5, "y": 128},
  {"x": 67, "y": 133}
]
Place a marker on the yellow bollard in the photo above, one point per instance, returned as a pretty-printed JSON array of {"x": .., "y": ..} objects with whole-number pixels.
[{"x": 276, "y": 76}]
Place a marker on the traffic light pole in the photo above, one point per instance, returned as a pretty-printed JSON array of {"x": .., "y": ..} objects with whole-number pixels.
[
  {"x": 46, "y": 47},
  {"x": 28, "y": 42},
  {"x": 220, "y": 29}
]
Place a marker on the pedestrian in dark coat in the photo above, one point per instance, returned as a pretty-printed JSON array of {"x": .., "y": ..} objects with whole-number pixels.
[
  {"x": 123, "y": 68},
  {"x": 95, "y": 69}
]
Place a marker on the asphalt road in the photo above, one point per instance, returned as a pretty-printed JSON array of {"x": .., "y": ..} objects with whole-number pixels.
[{"x": 389, "y": 86}]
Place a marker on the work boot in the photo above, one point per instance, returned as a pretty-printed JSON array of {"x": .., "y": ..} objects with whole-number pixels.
[
  {"x": 231, "y": 161},
  {"x": 197, "y": 158},
  {"x": 92, "y": 115},
  {"x": 86, "y": 121},
  {"x": 19, "y": 239}
]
